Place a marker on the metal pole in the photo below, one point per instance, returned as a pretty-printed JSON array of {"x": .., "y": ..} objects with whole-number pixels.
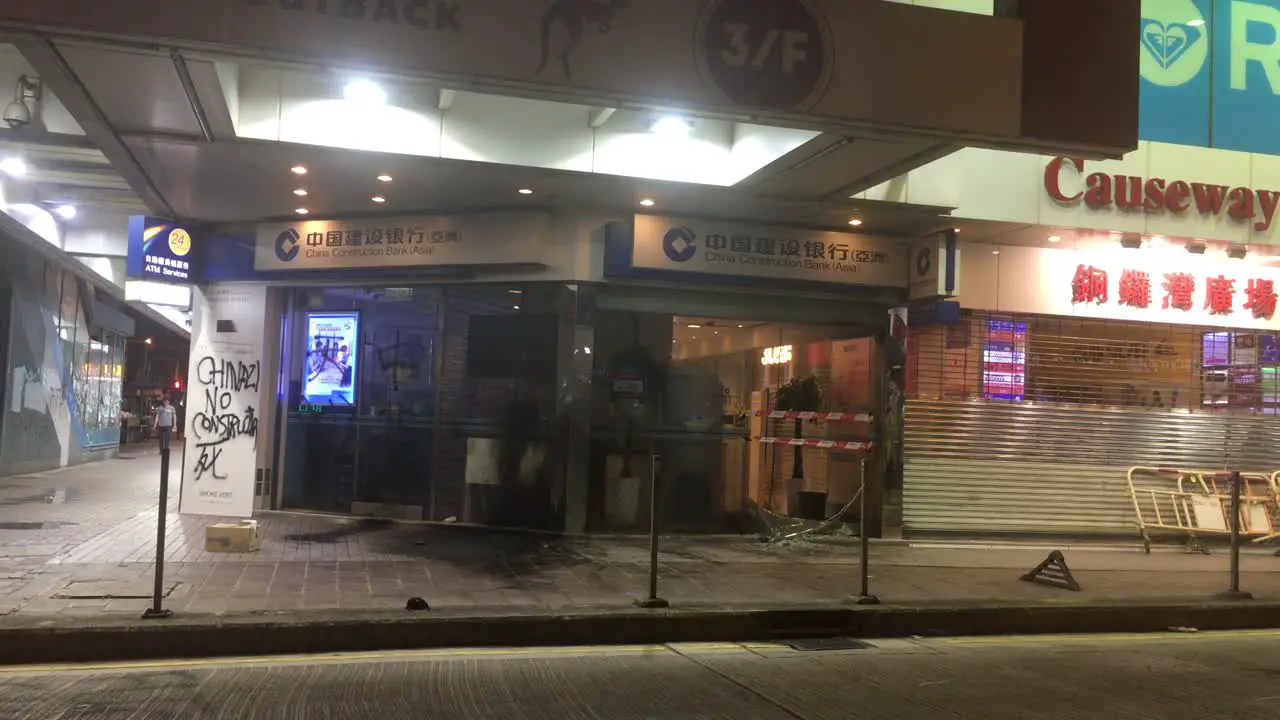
[
  {"x": 653, "y": 601},
  {"x": 157, "y": 611},
  {"x": 864, "y": 597},
  {"x": 1234, "y": 592}
]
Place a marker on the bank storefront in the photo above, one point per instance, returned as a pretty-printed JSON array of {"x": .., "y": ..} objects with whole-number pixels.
[
  {"x": 523, "y": 369},
  {"x": 1133, "y": 325}
]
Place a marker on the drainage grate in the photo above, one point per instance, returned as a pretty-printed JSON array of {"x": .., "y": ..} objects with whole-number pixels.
[{"x": 836, "y": 643}]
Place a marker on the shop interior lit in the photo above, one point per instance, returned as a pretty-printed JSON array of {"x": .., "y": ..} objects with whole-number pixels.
[
  {"x": 1096, "y": 362},
  {"x": 486, "y": 404},
  {"x": 727, "y": 374}
]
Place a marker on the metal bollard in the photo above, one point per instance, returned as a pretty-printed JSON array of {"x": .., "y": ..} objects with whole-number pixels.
[
  {"x": 865, "y": 597},
  {"x": 1234, "y": 592},
  {"x": 653, "y": 601},
  {"x": 157, "y": 611}
]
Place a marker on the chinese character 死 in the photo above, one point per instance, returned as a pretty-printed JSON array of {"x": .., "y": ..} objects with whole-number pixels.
[
  {"x": 1219, "y": 295},
  {"x": 417, "y": 236},
  {"x": 766, "y": 246},
  {"x": 315, "y": 239},
  {"x": 815, "y": 249},
  {"x": 717, "y": 242},
  {"x": 395, "y": 236},
  {"x": 333, "y": 238},
  {"x": 740, "y": 243},
  {"x": 1089, "y": 285},
  {"x": 838, "y": 252},
  {"x": 1135, "y": 288},
  {"x": 1178, "y": 289},
  {"x": 1261, "y": 299},
  {"x": 789, "y": 247}
]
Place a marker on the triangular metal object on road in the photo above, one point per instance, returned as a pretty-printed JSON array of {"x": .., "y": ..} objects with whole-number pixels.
[{"x": 1054, "y": 573}]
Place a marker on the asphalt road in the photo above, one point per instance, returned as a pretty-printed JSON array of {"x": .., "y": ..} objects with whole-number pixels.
[{"x": 1169, "y": 677}]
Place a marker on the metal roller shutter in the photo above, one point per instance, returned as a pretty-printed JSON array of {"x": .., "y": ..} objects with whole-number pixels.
[{"x": 1028, "y": 425}]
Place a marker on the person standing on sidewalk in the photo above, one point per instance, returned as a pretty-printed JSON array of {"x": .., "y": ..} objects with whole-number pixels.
[{"x": 163, "y": 423}]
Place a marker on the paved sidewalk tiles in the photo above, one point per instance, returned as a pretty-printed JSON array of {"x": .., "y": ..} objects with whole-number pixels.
[{"x": 79, "y": 543}]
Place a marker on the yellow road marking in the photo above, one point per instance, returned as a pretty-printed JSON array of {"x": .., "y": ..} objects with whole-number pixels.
[{"x": 1105, "y": 638}]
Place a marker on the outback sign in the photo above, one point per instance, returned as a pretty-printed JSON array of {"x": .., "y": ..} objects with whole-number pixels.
[
  {"x": 423, "y": 14},
  {"x": 1066, "y": 182}
]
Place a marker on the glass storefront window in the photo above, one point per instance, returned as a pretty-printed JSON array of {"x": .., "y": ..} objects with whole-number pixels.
[{"x": 695, "y": 391}]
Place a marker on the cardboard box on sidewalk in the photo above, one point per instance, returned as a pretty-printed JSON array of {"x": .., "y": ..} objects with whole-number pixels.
[{"x": 241, "y": 537}]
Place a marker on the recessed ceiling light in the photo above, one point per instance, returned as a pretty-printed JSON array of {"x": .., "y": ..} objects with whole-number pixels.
[
  {"x": 384, "y": 178},
  {"x": 13, "y": 167},
  {"x": 694, "y": 327},
  {"x": 855, "y": 221},
  {"x": 647, "y": 202},
  {"x": 671, "y": 126},
  {"x": 298, "y": 169},
  {"x": 995, "y": 252},
  {"x": 515, "y": 307},
  {"x": 302, "y": 211},
  {"x": 66, "y": 212},
  {"x": 378, "y": 199},
  {"x": 739, "y": 325},
  {"x": 516, "y": 292},
  {"x": 525, "y": 191},
  {"x": 1054, "y": 238},
  {"x": 364, "y": 92},
  {"x": 147, "y": 341},
  {"x": 300, "y": 192}
]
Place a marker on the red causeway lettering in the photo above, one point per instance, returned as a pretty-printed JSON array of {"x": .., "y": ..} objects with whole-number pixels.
[{"x": 1152, "y": 195}]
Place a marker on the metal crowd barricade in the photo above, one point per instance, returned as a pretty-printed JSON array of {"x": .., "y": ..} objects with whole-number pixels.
[{"x": 1196, "y": 503}]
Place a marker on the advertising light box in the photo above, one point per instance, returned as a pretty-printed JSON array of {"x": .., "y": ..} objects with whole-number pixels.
[{"x": 329, "y": 377}]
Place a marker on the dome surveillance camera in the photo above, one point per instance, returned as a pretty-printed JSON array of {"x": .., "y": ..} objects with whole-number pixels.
[{"x": 16, "y": 115}]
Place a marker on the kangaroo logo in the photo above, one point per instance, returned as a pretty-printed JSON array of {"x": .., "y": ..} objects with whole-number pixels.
[{"x": 572, "y": 16}]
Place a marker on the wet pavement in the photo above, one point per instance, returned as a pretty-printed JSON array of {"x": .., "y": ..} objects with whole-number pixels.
[{"x": 80, "y": 543}]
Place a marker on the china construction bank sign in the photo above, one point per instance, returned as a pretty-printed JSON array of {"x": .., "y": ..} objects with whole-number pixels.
[{"x": 1068, "y": 182}]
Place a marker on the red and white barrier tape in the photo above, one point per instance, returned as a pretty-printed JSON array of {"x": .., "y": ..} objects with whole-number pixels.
[
  {"x": 824, "y": 444},
  {"x": 792, "y": 415}
]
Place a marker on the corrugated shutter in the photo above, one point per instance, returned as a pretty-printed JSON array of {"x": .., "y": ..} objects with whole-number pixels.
[{"x": 1028, "y": 425}]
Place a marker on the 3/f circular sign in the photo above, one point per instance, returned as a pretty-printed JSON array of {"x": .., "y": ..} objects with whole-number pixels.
[{"x": 765, "y": 53}]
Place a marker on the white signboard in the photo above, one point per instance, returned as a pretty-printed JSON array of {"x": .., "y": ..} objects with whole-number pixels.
[
  {"x": 726, "y": 248},
  {"x": 1162, "y": 285},
  {"x": 401, "y": 242},
  {"x": 224, "y": 391}
]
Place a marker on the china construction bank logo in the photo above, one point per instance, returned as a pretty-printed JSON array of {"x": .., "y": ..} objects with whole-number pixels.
[
  {"x": 678, "y": 244},
  {"x": 1175, "y": 43},
  {"x": 287, "y": 245}
]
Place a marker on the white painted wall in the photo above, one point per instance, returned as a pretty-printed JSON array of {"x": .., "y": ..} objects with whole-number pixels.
[
  {"x": 996, "y": 185},
  {"x": 97, "y": 234}
]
